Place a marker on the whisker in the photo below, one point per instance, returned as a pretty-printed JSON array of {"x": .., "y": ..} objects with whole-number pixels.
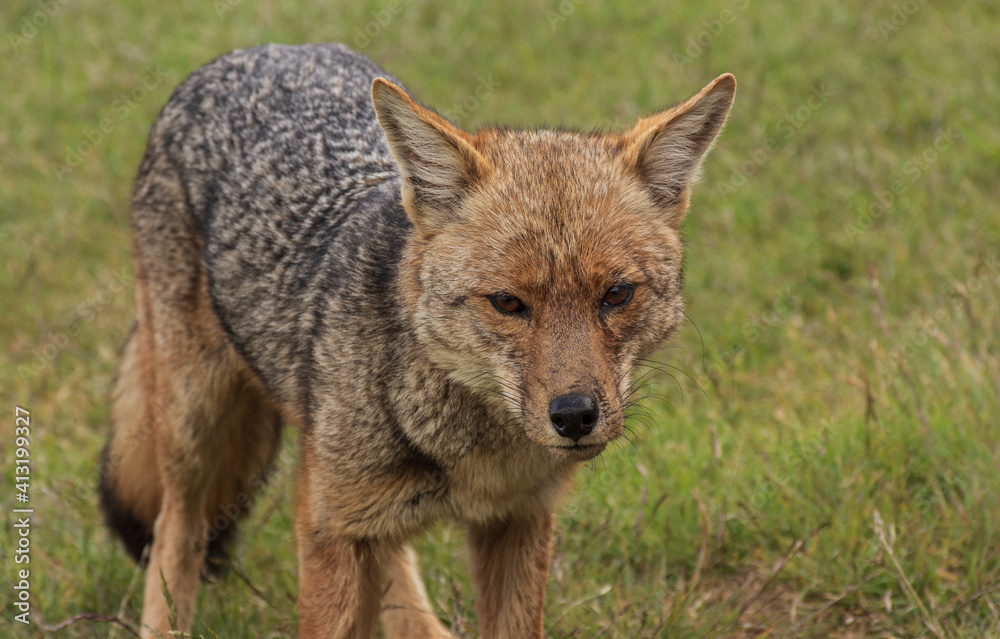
[
  {"x": 701, "y": 389},
  {"x": 701, "y": 337}
]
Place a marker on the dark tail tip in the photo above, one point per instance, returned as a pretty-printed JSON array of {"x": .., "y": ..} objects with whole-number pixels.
[
  {"x": 134, "y": 533},
  {"x": 137, "y": 534}
]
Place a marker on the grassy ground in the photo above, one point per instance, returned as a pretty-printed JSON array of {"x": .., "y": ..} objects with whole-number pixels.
[{"x": 823, "y": 459}]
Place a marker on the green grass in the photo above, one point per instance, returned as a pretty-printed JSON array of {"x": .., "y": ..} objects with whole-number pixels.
[{"x": 841, "y": 369}]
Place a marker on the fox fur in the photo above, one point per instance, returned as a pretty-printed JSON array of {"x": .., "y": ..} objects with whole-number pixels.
[{"x": 451, "y": 319}]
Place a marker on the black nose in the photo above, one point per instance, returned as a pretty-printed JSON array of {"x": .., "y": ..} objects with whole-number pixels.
[{"x": 573, "y": 416}]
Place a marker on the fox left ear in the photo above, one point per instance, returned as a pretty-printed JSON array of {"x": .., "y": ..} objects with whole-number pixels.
[
  {"x": 437, "y": 159},
  {"x": 667, "y": 149}
]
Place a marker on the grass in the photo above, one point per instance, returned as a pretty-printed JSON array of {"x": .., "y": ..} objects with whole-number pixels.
[{"x": 823, "y": 459}]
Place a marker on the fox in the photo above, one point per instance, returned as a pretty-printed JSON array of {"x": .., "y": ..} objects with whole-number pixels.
[{"x": 450, "y": 320}]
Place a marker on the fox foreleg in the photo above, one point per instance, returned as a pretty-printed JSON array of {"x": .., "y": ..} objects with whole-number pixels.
[{"x": 510, "y": 565}]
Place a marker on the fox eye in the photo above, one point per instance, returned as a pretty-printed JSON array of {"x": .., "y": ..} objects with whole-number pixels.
[
  {"x": 507, "y": 304},
  {"x": 617, "y": 295}
]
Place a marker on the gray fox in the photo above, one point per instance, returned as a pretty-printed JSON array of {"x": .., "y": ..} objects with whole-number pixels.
[{"x": 450, "y": 319}]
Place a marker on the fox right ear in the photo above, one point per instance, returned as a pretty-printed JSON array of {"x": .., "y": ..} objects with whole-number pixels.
[
  {"x": 437, "y": 160},
  {"x": 668, "y": 148}
]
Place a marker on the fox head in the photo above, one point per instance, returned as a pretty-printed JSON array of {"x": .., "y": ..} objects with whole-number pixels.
[{"x": 545, "y": 263}]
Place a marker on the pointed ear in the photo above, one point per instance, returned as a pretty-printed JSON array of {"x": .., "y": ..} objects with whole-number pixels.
[
  {"x": 666, "y": 149},
  {"x": 437, "y": 160}
]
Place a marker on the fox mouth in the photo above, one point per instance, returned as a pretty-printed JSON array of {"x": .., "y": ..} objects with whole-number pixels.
[{"x": 576, "y": 452}]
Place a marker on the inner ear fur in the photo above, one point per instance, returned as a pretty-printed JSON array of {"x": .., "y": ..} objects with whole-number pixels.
[
  {"x": 437, "y": 160},
  {"x": 666, "y": 149}
]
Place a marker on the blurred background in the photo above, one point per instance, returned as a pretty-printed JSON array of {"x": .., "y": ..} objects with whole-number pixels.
[{"x": 819, "y": 454}]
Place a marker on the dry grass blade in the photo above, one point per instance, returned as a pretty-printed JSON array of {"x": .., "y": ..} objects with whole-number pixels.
[
  {"x": 643, "y": 499},
  {"x": 89, "y": 616},
  {"x": 887, "y": 546},
  {"x": 706, "y": 535}
]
